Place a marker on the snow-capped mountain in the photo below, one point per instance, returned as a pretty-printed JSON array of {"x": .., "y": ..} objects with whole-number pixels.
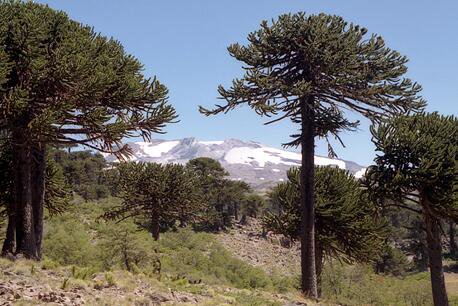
[{"x": 259, "y": 165}]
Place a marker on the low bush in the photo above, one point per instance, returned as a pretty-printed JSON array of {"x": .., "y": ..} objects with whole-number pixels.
[
  {"x": 79, "y": 238},
  {"x": 199, "y": 258},
  {"x": 359, "y": 285}
]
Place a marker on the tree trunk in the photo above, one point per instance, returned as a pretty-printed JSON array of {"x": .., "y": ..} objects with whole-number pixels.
[
  {"x": 309, "y": 280},
  {"x": 433, "y": 237},
  {"x": 9, "y": 245},
  {"x": 25, "y": 230},
  {"x": 155, "y": 226},
  {"x": 453, "y": 247},
  {"x": 243, "y": 220},
  {"x": 38, "y": 194},
  {"x": 318, "y": 265},
  {"x": 236, "y": 212},
  {"x": 126, "y": 257}
]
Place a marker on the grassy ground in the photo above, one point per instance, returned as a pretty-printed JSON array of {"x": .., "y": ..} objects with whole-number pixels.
[
  {"x": 30, "y": 283},
  {"x": 85, "y": 262}
]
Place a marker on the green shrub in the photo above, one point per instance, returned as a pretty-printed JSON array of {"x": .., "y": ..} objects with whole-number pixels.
[
  {"x": 392, "y": 261},
  {"x": 359, "y": 285},
  {"x": 198, "y": 257},
  {"x": 68, "y": 242},
  {"x": 123, "y": 245}
]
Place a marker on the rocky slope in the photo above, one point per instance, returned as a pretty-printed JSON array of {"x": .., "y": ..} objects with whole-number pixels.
[
  {"x": 30, "y": 283},
  {"x": 257, "y": 164},
  {"x": 273, "y": 253}
]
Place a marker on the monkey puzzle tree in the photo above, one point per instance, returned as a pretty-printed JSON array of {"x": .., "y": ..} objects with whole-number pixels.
[
  {"x": 417, "y": 169},
  {"x": 207, "y": 167},
  {"x": 63, "y": 84},
  {"x": 346, "y": 222},
  {"x": 212, "y": 177},
  {"x": 162, "y": 194},
  {"x": 222, "y": 196},
  {"x": 252, "y": 206},
  {"x": 310, "y": 69}
]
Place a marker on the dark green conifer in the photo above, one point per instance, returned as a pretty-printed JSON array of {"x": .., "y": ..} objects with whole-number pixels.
[
  {"x": 162, "y": 194},
  {"x": 347, "y": 223},
  {"x": 61, "y": 83},
  {"x": 222, "y": 196},
  {"x": 310, "y": 70},
  {"x": 417, "y": 169}
]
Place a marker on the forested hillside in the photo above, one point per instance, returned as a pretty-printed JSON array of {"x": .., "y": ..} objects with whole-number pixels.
[{"x": 212, "y": 254}]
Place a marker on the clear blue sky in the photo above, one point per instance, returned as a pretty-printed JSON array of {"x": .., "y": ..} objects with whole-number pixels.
[{"x": 184, "y": 44}]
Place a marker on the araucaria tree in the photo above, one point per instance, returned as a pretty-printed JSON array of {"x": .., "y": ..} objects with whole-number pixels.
[
  {"x": 310, "y": 70},
  {"x": 223, "y": 197},
  {"x": 347, "y": 222},
  {"x": 62, "y": 83},
  {"x": 164, "y": 195},
  {"x": 417, "y": 169}
]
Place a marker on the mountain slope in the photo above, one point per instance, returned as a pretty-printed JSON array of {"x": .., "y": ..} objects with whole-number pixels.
[{"x": 259, "y": 165}]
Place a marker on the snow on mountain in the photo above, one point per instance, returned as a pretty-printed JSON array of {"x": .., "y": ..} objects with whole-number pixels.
[{"x": 257, "y": 164}]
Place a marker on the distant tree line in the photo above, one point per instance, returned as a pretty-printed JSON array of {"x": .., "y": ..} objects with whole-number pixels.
[{"x": 199, "y": 194}]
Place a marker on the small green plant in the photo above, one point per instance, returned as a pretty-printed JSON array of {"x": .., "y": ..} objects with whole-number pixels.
[
  {"x": 48, "y": 264},
  {"x": 109, "y": 279},
  {"x": 82, "y": 273},
  {"x": 65, "y": 284}
]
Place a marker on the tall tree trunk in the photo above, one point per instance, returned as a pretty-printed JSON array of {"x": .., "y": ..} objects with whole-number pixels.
[
  {"x": 236, "y": 212},
  {"x": 453, "y": 247},
  {"x": 38, "y": 194},
  {"x": 25, "y": 230},
  {"x": 155, "y": 226},
  {"x": 125, "y": 256},
  {"x": 319, "y": 257},
  {"x": 309, "y": 280},
  {"x": 9, "y": 244},
  {"x": 433, "y": 238}
]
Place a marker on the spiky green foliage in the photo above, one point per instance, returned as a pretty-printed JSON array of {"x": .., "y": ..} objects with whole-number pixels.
[
  {"x": 323, "y": 57},
  {"x": 347, "y": 223},
  {"x": 85, "y": 171},
  {"x": 418, "y": 170},
  {"x": 419, "y": 154},
  {"x": 161, "y": 194},
  {"x": 57, "y": 190},
  {"x": 252, "y": 205},
  {"x": 207, "y": 167},
  {"x": 64, "y": 83},
  {"x": 222, "y": 197}
]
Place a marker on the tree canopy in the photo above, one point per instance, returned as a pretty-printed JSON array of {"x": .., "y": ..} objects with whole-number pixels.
[
  {"x": 68, "y": 84},
  {"x": 419, "y": 155},
  {"x": 222, "y": 197},
  {"x": 324, "y": 57}
]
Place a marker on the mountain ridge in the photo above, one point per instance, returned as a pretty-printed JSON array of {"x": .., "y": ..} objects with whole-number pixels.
[{"x": 259, "y": 165}]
